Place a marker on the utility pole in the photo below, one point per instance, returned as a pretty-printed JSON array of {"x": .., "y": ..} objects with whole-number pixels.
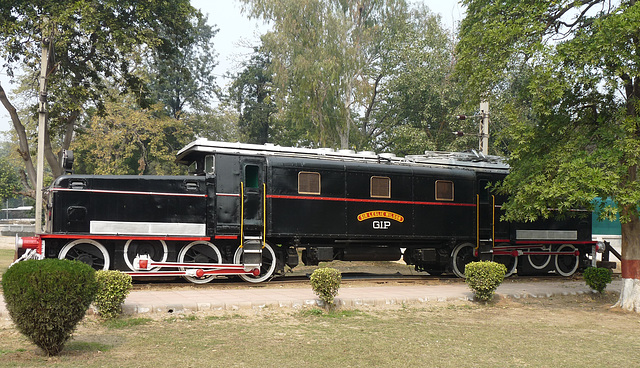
[
  {"x": 483, "y": 127},
  {"x": 42, "y": 122},
  {"x": 483, "y": 133}
]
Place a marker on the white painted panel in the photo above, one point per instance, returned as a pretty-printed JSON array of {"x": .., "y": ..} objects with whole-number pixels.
[
  {"x": 547, "y": 234},
  {"x": 147, "y": 228}
]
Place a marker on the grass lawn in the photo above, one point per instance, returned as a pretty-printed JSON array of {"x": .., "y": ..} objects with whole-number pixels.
[{"x": 565, "y": 331}]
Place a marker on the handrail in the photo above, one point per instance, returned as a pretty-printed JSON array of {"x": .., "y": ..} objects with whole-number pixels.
[
  {"x": 264, "y": 215},
  {"x": 477, "y": 223},
  {"x": 241, "y": 213},
  {"x": 493, "y": 222}
]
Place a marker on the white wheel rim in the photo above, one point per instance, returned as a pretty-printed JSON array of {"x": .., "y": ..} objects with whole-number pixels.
[
  {"x": 454, "y": 256},
  {"x": 130, "y": 265},
  {"x": 575, "y": 267},
  {"x": 513, "y": 268},
  {"x": 105, "y": 254},
  {"x": 545, "y": 264},
  {"x": 263, "y": 276},
  {"x": 183, "y": 252}
]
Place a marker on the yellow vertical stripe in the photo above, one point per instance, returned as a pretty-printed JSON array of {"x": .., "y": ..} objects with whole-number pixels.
[
  {"x": 241, "y": 213},
  {"x": 477, "y": 222},
  {"x": 493, "y": 222},
  {"x": 264, "y": 215}
]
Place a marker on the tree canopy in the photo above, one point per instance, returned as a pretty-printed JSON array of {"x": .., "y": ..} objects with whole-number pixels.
[
  {"x": 577, "y": 67},
  {"x": 344, "y": 71},
  {"x": 253, "y": 95},
  {"x": 95, "y": 44},
  {"x": 580, "y": 82}
]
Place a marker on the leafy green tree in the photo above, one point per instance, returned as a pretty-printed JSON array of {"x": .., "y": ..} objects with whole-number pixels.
[
  {"x": 581, "y": 136},
  {"x": 181, "y": 70},
  {"x": 93, "y": 43},
  {"x": 252, "y": 94},
  {"x": 129, "y": 140},
  {"x": 417, "y": 94},
  {"x": 322, "y": 51},
  {"x": 9, "y": 180},
  {"x": 219, "y": 124},
  {"x": 367, "y": 74}
]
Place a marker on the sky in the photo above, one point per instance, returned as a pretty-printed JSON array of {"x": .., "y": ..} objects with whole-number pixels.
[{"x": 237, "y": 32}]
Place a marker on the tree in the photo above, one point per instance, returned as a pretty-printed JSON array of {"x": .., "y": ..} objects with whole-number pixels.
[
  {"x": 220, "y": 124},
  {"x": 581, "y": 137},
  {"x": 9, "y": 180},
  {"x": 130, "y": 140},
  {"x": 252, "y": 94},
  {"x": 322, "y": 52},
  {"x": 181, "y": 71},
  {"x": 93, "y": 42},
  {"x": 416, "y": 95},
  {"x": 369, "y": 74}
]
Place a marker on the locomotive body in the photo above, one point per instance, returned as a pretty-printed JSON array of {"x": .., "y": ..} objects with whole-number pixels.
[{"x": 247, "y": 209}]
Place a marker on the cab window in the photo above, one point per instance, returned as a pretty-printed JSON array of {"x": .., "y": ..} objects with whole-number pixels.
[
  {"x": 444, "y": 190},
  {"x": 308, "y": 182}
]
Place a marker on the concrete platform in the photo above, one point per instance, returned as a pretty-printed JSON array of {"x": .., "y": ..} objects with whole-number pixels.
[{"x": 191, "y": 299}]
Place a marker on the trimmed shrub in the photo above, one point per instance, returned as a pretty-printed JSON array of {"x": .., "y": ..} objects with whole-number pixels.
[
  {"x": 47, "y": 298},
  {"x": 484, "y": 278},
  {"x": 597, "y": 278},
  {"x": 325, "y": 282},
  {"x": 113, "y": 288}
]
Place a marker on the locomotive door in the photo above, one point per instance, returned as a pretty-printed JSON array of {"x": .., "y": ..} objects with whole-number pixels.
[
  {"x": 252, "y": 196},
  {"x": 485, "y": 219},
  {"x": 239, "y": 195}
]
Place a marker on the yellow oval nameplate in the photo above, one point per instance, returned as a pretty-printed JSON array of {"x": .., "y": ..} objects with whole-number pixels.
[{"x": 377, "y": 214}]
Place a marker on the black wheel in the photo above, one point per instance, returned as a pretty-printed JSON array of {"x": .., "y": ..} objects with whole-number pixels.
[
  {"x": 540, "y": 261},
  {"x": 567, "y": 264},
  {"x": 199, "y": 252},
  {"x": 87, "y": 251},
  {"x": 462, "y": 255},
  {"x": 267, "y": 268},
  {"x": 156, "y": 250}
]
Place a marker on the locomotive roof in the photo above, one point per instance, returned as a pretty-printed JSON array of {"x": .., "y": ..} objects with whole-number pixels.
[{"x": 471, "y": 160}]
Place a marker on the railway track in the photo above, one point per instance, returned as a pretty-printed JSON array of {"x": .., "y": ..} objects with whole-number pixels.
[{"x": 348, "y": 278}]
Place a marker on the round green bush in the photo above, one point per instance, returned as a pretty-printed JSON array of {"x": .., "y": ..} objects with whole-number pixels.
[
  {"x": 484, "y": 278},
  {"x": 597, "y": 278},
  {"x": 113, "y": 288},
  {"x": 325, "y": 282},
  {"x": 47, "y": 298}
]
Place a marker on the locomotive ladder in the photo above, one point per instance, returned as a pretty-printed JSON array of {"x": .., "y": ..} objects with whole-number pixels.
[
  {"x": 485, "y": 229},
  {"x": 251, "y": 244}
]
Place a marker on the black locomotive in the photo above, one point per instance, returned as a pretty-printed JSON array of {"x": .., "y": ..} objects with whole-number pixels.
[{"x": 247, "y": 209}]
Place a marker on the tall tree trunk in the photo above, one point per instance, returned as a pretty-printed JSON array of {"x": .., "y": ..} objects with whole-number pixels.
[
  {"x": 630, "y": 231},
  {"x": 630, "y": 293}
]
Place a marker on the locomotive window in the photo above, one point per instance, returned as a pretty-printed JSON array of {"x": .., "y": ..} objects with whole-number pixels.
[
  {"x": 444, "y": 190},
  {"x": 210, "y": 164},
  {"x": 251, "y": 176},
  {"x": 193, "y": 168},
  {"x": 308, "y": 182},
  {"x": 380, "y": 187}
]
